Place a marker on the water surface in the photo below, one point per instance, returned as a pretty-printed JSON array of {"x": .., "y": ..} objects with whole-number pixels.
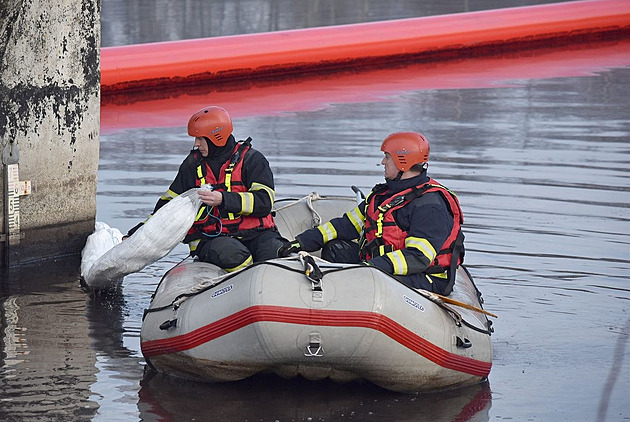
[{"x": 536, "y": 145}]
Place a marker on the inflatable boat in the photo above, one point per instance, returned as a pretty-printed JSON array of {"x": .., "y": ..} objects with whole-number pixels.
[{"x": 303, "y": 316}]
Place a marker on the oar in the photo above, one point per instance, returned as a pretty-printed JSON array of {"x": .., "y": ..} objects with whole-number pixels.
[{"x": 447, "y": 299}]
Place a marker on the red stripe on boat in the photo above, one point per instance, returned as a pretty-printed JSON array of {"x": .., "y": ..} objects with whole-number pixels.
[{"x": 327, "y": 318}]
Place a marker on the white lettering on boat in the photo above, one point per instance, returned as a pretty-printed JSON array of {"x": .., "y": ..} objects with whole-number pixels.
[
  {"x": 413, "y": 303},
  {"x": 222, "y": 291}
]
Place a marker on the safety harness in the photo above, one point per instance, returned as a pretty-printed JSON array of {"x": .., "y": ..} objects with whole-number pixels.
[
  {"x": 211, "y": 221},
  {"x": 382, "y": 234}
]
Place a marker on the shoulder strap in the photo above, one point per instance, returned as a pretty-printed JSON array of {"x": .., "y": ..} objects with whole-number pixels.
[
  {"x": 238, "y": 155},
  {"x": 416, "y": 191},
  {"x": 410, "y": 194},
  {"x": 234, "y": 160}
]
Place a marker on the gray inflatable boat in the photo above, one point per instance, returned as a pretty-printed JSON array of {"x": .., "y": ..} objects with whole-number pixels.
[{"x": 303, "y": 316}]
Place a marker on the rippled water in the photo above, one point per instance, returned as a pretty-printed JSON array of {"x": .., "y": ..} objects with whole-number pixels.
[{"x": 537, "y": 147}]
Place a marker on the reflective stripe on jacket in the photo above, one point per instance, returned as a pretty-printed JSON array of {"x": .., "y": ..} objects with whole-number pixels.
[
  {"x": 230, "y": 180},
  {"x": 382, "y": 235}
]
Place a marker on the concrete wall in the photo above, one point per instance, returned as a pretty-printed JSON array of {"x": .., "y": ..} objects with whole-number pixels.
[{"x": 49, "y": 108}]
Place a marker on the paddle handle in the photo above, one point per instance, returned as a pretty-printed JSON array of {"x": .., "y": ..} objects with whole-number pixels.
[{"x": 465, "y": 305}]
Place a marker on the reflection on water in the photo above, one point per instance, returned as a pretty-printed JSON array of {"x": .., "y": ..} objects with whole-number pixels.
[
  {"x": 170, "y": 106},
  {"x": 47, "y": 363},
  {"x": 297, "y": 399},
  {"x": 537, "y": 148}
]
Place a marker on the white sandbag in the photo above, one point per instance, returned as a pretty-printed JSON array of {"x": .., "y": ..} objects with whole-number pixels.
[
  {"x": 152, "y": 241},
  {"x": 103, "y": 239}
]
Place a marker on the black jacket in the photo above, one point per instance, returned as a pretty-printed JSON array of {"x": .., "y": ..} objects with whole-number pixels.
[
  {"x": 255, "y": 171},
  {"x": 426, "y": 217}
]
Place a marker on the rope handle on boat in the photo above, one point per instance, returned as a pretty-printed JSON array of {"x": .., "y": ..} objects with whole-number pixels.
[
  {"x": 311, "y": 270},
  {"x": 314, "y": 350},
  {"x": 167, "y": 325}
]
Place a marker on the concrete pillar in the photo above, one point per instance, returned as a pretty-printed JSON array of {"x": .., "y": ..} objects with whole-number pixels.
[{"x": 49, "y": 124}]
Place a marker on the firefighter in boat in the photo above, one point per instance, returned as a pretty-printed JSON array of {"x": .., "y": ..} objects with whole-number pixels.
[
  {"x": 409, "y": 226},
  {"x": 234, "y": 226}
]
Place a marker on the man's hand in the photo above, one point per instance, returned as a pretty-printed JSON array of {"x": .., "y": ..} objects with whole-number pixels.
[
  {"x": 210, "y": 197},
  {"x": 288, "y": 248}
]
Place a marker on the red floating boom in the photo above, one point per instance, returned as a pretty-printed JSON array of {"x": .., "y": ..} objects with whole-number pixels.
[{"x": 275, "y": 53}]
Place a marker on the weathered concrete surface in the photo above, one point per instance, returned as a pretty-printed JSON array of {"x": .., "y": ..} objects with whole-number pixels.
[{"x": 49, "y": 107}]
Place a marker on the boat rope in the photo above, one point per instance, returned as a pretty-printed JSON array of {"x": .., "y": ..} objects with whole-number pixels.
[
  {"x": 212, "y": 282},
  {"x": 313, "y": 272},
  {"x": 317, "y": 219},
  {"x": 314, "y": 196},
  {"x": 203, "y": 286}
]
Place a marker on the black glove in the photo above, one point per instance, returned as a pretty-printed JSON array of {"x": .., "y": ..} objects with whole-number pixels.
[
  {"x": 288, "y": 248},
  {"x": 133, "y": 230}
]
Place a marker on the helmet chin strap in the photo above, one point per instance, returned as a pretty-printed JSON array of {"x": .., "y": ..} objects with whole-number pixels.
[{"x": 398, "y": 176}]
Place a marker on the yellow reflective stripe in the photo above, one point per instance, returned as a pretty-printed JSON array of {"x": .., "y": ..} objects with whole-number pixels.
[
  {"x": 357, "y": 219},
  {"x": 379, "y": 225},
  {"x": 247, "y": 203},
  {"x": 200, "y": 213},
  {"x": 328, "y": 231},
  {"x": 248, "y": 261},
  {"x": 260, "y": 186},
  {"x": 440, "y": 275},
  {"x": 381, "y": 250},
  {"x": 228, "y": 186},
  {"x": 228, "y": 181},
  {"x": 398, "y": 260},
  {"x": 443, "y": 187},
  {"x": 423, "y": 245},
  {"x": 168, "y": 195},
  {"x": 192, "y": 245},
  {"x": 200, "y": 175}
]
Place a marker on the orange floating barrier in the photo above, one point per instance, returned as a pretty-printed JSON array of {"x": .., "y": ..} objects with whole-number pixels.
[
  {"x": 314, "y": 49},
  {"x": 172, "y": 106}
]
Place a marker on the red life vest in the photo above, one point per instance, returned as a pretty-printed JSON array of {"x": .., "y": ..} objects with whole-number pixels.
[
  {"x": 382, "y": 234},
  {"x": 230, "y": 180}
]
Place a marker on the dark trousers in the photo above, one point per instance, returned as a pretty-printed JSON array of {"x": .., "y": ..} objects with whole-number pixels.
[
  {"x": 343, "y": 251},
  {"x": 232, "y": 253}
]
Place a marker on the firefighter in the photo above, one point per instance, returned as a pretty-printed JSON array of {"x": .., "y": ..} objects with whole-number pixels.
[
  {"x": 234, "y": 226},
  {"x": 409, "y": 226}
]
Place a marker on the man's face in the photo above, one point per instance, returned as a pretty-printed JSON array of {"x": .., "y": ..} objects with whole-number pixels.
[
  {"x": 390, "y": 171},
  {"x": 201, "y": 145}
]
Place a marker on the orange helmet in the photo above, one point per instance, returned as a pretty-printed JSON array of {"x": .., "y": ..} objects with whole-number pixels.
[
  {"x": 213, "y": 123},
  {"x": 407, "y": 149}
]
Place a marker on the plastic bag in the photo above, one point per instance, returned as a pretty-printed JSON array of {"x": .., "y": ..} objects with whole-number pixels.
[
  {"x": 103, "y": 239},
  {"x": 152, "y": 241}
]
